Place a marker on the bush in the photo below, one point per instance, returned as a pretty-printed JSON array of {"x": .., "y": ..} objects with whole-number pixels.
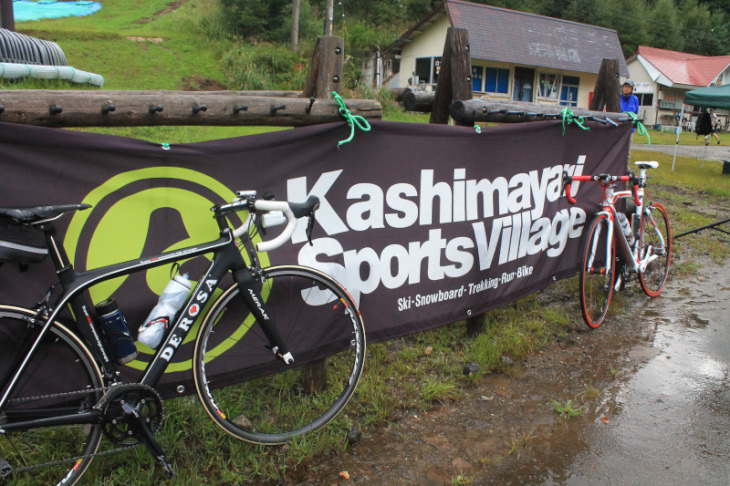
[{"x": 264, "y": 67}]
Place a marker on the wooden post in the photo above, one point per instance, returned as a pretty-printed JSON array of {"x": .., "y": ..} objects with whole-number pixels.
[
  {"x": 454, "y": 81},
  {"x": 606, "y": 92},
  {"x": 7, "y": 17},
  {"x": 324, "y": 77},
  {"x": 326, "y": 67}
]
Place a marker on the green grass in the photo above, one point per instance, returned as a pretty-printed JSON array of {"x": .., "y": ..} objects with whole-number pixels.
[{"x": 567, "y": 409}]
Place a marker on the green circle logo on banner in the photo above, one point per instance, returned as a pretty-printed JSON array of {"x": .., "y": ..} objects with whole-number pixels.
[{"x": 122, "y": 230}]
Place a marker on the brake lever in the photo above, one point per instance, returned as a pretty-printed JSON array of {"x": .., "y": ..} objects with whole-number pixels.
[
  {"x": 259, "y": 224},
  {"x": 310, "y": 227}
]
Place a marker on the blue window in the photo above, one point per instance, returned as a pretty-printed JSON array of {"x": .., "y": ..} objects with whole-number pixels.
[
  {"x": 496, "y": 80},
  {"x": 476, "y": 78}
]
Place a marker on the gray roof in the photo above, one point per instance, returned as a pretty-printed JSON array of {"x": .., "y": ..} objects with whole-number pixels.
[{"x": 498, "y": 34}]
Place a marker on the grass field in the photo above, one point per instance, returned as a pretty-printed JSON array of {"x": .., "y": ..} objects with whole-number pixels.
[{"x": 162, "y": 45}]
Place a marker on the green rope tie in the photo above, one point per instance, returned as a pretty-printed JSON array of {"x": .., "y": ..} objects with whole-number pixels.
[
  {"x": 165, "y": 146},
  {"x": 569, "y": 117},
  {"x": 352, "y": 120},
  {"x": 477, "y": 128},
  {"x": 640, "y": 128}
]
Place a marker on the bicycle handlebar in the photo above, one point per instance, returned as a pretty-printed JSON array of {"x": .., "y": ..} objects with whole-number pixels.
[
  {"x": 277, "y": 213},
  {"x": 604, "y": 179}
]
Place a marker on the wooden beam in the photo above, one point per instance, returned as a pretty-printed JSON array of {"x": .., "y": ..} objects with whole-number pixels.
[
  {"x": 471, "y": 111},
  {"x": 79, "y": 108},
  {"x": 419, "y": 101}
]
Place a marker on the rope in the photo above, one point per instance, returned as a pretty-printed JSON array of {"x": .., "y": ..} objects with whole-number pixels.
[
  {"x": 640, "y": 128},
  {"x": 569, "y": 117},
  {"x": 352, "y": 120}
]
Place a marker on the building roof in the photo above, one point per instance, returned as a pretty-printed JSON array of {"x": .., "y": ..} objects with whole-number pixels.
[
  {"x": 498, "y": 34},
  {"x": 681, "y": 68}
]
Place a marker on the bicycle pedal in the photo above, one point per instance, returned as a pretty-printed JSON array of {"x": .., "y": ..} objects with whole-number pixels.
[
  {"x": 169, "y": 471},
  {"x": 5, "y": 468}
]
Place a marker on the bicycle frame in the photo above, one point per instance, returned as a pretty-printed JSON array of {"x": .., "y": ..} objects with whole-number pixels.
[
  {"x": 609, "y": 197},
  {"x": 226, "y": 257}
]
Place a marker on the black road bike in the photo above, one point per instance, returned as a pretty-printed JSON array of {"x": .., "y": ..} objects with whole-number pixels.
[{"x": 61, "y": 393}]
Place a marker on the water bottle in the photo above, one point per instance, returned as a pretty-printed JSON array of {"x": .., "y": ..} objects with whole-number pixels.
[
  {"x": 171, "y": 300},
  {"x": 118, "y": 338},
  {"x": 625, "y": 227}
]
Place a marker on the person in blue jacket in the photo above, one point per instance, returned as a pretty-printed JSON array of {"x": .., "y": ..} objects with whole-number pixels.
[{"x": 629, "y": 101}]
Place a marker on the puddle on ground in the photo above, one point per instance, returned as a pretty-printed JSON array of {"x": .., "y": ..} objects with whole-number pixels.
[{"x": 652, "y": 384}]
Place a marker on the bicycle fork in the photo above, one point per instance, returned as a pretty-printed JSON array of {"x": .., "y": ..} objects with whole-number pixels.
[{"x": 255, "y": 302}]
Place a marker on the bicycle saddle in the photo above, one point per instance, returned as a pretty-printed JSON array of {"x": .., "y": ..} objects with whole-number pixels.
[
  {"x": 649, "y": 164},
  {"x": 40, "y": 213}
]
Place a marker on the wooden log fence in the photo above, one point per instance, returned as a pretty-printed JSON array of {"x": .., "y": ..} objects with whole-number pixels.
[
  {"x": 419, "y": 101},
  {"x": 477, "y": 110},
  {"x": 82, "y": 108}
]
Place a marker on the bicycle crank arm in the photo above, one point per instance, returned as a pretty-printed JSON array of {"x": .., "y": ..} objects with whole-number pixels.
[
  {"x": 145, "y": 435},
  {"x": 646, "y": 263}
]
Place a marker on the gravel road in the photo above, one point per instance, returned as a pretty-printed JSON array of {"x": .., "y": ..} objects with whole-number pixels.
[{"x": 705, "y": 152}]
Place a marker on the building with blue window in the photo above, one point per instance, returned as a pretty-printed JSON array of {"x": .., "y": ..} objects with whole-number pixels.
[{"x": 515, "y": 56}]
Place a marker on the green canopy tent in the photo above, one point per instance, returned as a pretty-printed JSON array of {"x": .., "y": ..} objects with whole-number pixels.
[{"x": 710, "y": 97}]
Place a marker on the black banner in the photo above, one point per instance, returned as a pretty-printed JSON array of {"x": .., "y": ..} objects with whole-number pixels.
[{"x": 423, "y": 224}]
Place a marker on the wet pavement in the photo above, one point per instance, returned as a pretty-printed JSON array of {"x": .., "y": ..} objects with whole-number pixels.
[
  {"x": 671, "y": 419},
  {"x": 651, "y": 383}
]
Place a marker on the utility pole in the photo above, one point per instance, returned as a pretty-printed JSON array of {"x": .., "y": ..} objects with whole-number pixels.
[
  {"x": 295, "y": 25},
  {"x": 330, "y": 17}
]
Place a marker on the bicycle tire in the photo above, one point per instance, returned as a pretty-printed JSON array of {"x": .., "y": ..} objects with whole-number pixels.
[
  {"x": 62, "y": 364},
  {"x": 652, "y": 279},
  {"x": 596, "y": 283},
  {"x": 269, "y": 402}
]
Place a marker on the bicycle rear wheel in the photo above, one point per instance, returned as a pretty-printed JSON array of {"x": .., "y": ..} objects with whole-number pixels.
[
  {"x": 596, "y": 278},
  {"x": 250, "y": 393},
  {"x": 655, "y": 235},
  {"x": 61, "y": 378}
]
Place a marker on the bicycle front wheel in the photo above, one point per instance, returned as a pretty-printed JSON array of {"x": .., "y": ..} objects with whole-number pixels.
[
  {"x": 655, "y": 236},
  {"x": 598, "y": 269},
  {"x": 249, "y": 392},
  {"x": 61, "y": 378}
]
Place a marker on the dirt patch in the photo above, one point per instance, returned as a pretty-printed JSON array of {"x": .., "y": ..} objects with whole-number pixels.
[
  {"x": 196, "y": 83},
  {"x": 507, "y": 427},
  {"x": 154, "y": 40},
  {"x": 170, "y": 8}
]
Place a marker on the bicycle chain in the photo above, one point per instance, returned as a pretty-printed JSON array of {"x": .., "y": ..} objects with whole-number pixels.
[
  {"x": 76, "y": 458},
  {"x": 73, "y": 459},
  {"x": 57, "y": 395}
]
